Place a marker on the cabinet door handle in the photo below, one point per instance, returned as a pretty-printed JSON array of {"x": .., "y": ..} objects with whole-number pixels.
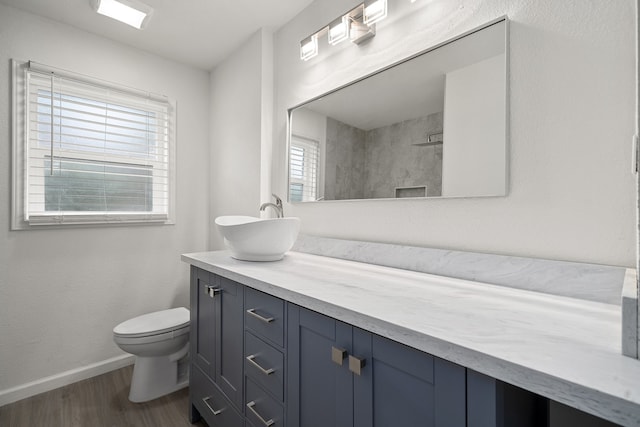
[
  {"x": 206, "y": 402},
  {"x": 268, "y": 422},
  {"x": 212, "y": 291},
  {"x": 338, "y": 355},
  {"x": 356, "y": 365},
  {"x": 257, "y": 365},
  {"x": 252, "y": 311}
]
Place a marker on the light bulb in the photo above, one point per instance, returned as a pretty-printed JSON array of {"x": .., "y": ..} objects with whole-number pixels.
[
  {"x": 374, "y": 11},
  {"x": 339, "y": 30},
  {"x": 309, "y": 47}
]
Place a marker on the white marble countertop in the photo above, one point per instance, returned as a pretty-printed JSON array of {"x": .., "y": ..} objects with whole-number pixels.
[{"x": 566, "y": 349}]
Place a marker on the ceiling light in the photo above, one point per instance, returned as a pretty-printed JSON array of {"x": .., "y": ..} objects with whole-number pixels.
[
  {"x": 339, "y": 30},
  {"x": 309, "y": 47},
  {"x": 374, "y": 11},
  {"x": 131, "y": 12}
]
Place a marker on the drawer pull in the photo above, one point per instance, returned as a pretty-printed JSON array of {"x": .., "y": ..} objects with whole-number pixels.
[
  {"x": 252, "y": 311},
  {"x": 267, "y": 423},
  {"x": 257, "y": 365},
  {"x": 212, "y": 291},
  {"x": 213, "y": 411},
  {"x": 356, "y": 365},
  {"x": 338, "y": 355}
]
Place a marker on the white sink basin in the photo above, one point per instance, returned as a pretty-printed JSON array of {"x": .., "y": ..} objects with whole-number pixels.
[{"x": 256, "y": 239}]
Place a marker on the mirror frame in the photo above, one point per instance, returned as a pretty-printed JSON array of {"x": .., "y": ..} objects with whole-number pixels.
[{"x": 503, "y": 18}]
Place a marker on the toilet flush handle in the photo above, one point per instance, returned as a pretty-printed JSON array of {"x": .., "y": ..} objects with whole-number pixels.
[{"x": 212, "y": 291}]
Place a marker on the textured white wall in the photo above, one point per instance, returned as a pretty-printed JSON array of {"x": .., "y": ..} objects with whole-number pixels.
[
  {"x": 63, "y": 291},
  {"x": 241, "y": 103},
  {"x": 572, "y": 117}
]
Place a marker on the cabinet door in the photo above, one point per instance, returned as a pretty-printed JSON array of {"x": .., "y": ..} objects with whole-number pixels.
[
  {"x": 320, "y": 391},
  {"x": 229, "y": 335},
  {"x": 402, "y": 386},
  {"x": 203, "y": 321}
]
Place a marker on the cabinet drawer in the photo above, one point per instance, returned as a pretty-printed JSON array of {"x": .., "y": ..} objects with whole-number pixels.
[
  {"x": 265, "y": 365},
  {"x": 264, "y": 315},
  {"x": 210, "y": 402},
  {"x": 261, "y": 409}
]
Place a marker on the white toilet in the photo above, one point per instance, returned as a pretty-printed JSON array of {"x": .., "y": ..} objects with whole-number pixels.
[{"x": 160, "y": 342}]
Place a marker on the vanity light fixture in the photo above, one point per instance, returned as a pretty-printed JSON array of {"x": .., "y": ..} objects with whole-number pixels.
[
  {"x": 374, "y": 11},
  {"x": 130, "y": 12},
  {"x": 356, "y": 25}
]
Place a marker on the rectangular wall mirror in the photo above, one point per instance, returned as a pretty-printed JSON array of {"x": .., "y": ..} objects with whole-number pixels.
[{"x": 432, "y": 125}]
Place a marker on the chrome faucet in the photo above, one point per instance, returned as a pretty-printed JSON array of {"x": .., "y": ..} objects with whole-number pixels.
[{"x": 277, "y": 206}]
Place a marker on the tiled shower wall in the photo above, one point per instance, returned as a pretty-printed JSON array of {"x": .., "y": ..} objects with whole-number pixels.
[
  {"x": 372, "y": 164},
  {"x": 344, "y": 163},
  {"x": 393, "y": 160}
]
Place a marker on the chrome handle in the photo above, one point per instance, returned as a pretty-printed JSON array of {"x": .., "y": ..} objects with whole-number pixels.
[
  {"x": 205, "y": 400},
  {"x": 267, "y": 423},
  {"x": 252, "y": 311},
  {"x": 338, "y": 355},
  {"x": 257, "y": 365},
  {"x": 356, "y": 365},
  {"x": 212, "y": 291}
]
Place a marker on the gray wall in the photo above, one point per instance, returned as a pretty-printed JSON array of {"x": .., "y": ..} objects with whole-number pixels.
[
  {"x": 392, "y": 160},
  {"x": 344, "y": 164},
  {"x": 372, "y": 164}
]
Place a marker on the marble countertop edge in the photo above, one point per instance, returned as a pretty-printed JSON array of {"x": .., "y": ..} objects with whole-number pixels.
[{"x": 630, "y": 317}]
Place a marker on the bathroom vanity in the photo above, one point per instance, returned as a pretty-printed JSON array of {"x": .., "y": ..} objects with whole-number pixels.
[{"x": 313, "y": 340}]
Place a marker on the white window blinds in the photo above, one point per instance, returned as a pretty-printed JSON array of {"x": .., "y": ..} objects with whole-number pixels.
[
  {"x": 94, "y": 153},
  {"x": 303, "y": 169}
]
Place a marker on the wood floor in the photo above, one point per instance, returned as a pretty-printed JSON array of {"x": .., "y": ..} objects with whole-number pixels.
[{"x": 101, "y": 402}]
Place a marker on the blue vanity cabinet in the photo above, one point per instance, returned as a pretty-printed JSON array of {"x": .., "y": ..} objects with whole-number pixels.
[
  {"x": 340, "y": 375},
  {"x": 261, "y": 361},
  {"x": 216, "y": 348}
]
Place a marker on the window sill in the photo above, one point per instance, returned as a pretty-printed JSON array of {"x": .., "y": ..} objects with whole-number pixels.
[{"x": 46, "y": 222}]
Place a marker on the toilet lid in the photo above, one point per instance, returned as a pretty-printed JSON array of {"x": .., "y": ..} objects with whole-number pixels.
[{"x": 154, "y": 323}]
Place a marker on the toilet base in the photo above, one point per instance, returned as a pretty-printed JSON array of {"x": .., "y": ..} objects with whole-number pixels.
[{"x": 155, "y": 377}]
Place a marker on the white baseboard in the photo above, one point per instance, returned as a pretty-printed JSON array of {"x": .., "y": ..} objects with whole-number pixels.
[{"x": 64, "y": 378}]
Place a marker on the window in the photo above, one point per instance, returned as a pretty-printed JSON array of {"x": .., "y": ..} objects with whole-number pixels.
[
  {"x": 303, "y": 169},
  {"x": 89, "y": 151}
]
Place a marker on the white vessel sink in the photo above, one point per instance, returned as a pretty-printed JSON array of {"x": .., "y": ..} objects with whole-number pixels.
[{"x": 255, "y": 239}]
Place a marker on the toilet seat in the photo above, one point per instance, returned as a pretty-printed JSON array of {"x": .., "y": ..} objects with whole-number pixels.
[
  {"x": 146, "y": 339},
  {"x": 164, "y": 324}
]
